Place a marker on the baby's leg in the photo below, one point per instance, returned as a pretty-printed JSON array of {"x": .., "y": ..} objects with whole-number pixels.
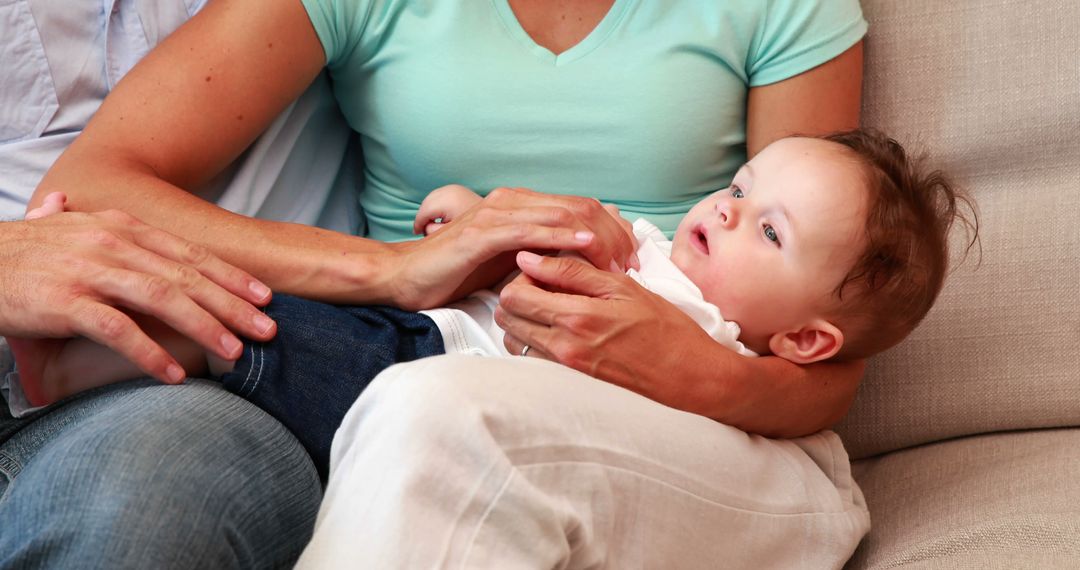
[{"x": 50, "y": 370}]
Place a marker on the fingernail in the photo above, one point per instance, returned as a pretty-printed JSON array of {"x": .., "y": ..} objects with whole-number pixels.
[
  {"x": 263, "y": 323},
  {"x": 175, "y": 373},
  {"x": 635, "y": 262},
  {"x": 583, "y": 237},
  {"x": 231, "y": 344},
  {"x": 528, "y": 258},
  {"x": 259, "y": 290}
]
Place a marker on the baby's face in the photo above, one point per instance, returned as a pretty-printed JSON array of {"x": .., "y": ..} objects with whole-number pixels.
[{"x": 770, "y": 249}]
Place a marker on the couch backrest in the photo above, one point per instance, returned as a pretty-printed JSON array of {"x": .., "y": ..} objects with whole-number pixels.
[{"x": 991, "y": 90}]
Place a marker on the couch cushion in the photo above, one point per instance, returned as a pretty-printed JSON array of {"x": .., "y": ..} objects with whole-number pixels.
[
  {"x": 977, "y": 502},
  {"x": 991, "y": 90}
]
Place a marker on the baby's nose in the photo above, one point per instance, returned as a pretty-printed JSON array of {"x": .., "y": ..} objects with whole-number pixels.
[{"x": 726, "y": 212}]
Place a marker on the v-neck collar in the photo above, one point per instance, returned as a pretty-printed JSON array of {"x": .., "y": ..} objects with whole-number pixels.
[{"x": 596, "y": 37}]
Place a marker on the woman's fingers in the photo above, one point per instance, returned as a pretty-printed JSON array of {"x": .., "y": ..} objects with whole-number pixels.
[
  {"x": 586, "y": 214},
  {"x": 515, "y": 347},
  {"x": 523, "y": 298},
  {"x": 567, "y": 274},
  {"x": 496, "y": 239},
  {"x": 445, "y": 263}
]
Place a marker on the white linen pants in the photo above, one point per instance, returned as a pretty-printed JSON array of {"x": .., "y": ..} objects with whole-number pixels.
[{"x": 468, "y": 462}]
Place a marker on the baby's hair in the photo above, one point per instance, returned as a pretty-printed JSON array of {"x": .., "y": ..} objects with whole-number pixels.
[{"x": 899, "y": 274}]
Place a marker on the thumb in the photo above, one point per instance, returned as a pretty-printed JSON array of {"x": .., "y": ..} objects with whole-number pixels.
[{"x": 567, "y": 275}]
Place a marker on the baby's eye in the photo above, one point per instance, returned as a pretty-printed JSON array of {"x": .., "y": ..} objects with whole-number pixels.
[
  {"x": 736, "y": 192},
  {"x": 770, "y": 234}
]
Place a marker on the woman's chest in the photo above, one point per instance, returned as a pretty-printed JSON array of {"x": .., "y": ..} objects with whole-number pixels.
[
  {"x": 648, "y": 106},
  {"x": 558, "y": 25}
]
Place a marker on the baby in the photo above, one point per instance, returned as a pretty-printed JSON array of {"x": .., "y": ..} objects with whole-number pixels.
[{"x": 821, "y": 248}]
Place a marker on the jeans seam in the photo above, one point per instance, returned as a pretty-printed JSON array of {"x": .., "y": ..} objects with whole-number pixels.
[
  {"x": 258, "y": 377},
  {"x": 250, "y": 372},
  {"x": 9, "y": 465},
  {"x": 9, "y": 469}
]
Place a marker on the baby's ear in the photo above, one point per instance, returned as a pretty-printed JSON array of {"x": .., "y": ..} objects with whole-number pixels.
[{"x": 818, "y": 340}]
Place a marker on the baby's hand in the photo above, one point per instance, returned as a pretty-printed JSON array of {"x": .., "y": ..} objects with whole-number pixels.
[
  {"x": 53, "y": 204},
  {"x": 442, "y": 205}
]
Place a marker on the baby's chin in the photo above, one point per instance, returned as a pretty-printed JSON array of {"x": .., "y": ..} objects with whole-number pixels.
[{"x": 681, "y": 254}]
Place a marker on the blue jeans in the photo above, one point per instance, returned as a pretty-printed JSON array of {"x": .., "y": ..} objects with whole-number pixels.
[
  {"x": 142, "y": 475},
  {"x": 323, "y": 356}
]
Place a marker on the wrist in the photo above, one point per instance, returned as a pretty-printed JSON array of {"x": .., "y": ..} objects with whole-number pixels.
[
  {"x": 392, "y": 278},
  {"x": 373, "y": 277}
]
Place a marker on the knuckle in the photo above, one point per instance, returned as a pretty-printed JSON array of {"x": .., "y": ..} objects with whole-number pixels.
[
  {"x": 109, "y": 324},
  {"x": 566, "y": 352},
  {"x": 186, "y": 277},
  {"x": 500, "y": 193},
  {"x": 193, "y": 254},
  {"x": 500, "y": 317},
  {"x": 519, "y": 232},
  {"x": 508, "y": 297},
  {"x": 562, "y": 217},
  {"x": 102, "y": 238},
  {"x": 157, "y": 289},
  {"x": 588, "y": 207}
]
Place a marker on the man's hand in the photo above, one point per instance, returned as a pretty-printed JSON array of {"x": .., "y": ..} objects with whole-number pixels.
[{"x": 74, "y": 274}]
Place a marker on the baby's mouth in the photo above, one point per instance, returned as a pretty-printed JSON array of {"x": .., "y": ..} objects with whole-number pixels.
[{"x": 701, "y": 240}]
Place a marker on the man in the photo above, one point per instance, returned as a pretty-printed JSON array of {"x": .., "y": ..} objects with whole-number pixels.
[{"x": 144, "y": 475}]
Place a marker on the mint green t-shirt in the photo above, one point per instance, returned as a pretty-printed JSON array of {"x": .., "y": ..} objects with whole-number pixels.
[{"x": 648, "y": 112}]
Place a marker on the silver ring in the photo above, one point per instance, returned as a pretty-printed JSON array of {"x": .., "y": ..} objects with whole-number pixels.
[{"x": 524, "y": 350}]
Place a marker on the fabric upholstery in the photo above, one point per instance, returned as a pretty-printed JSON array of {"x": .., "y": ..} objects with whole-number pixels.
[
  {"x": 991, "y": 501},
  {"x": 991, "y": 89}
]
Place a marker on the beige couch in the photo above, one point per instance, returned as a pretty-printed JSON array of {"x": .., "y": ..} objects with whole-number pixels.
[{"x": 965, "y": 438}]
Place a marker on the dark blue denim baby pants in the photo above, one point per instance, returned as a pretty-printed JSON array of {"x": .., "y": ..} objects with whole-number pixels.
[{"x": 323, "y": 356}]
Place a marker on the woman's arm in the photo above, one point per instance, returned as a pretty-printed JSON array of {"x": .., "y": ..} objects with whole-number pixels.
[
  {"x": 200, "y": 98},
  {"x": 822, "y": 100},
  {"x": 607, "y": 326}
]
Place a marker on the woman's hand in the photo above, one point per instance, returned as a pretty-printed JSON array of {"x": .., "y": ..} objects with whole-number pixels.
[
  {"x": 602, "y": 323},
  {"x": 477, "y": 249},
  {"x": 73, "y": 274},
  {"x": 608, "y": 326}
]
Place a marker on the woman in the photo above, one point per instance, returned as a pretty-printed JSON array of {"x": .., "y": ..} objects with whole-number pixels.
[{"x": 444, "y": 92}]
